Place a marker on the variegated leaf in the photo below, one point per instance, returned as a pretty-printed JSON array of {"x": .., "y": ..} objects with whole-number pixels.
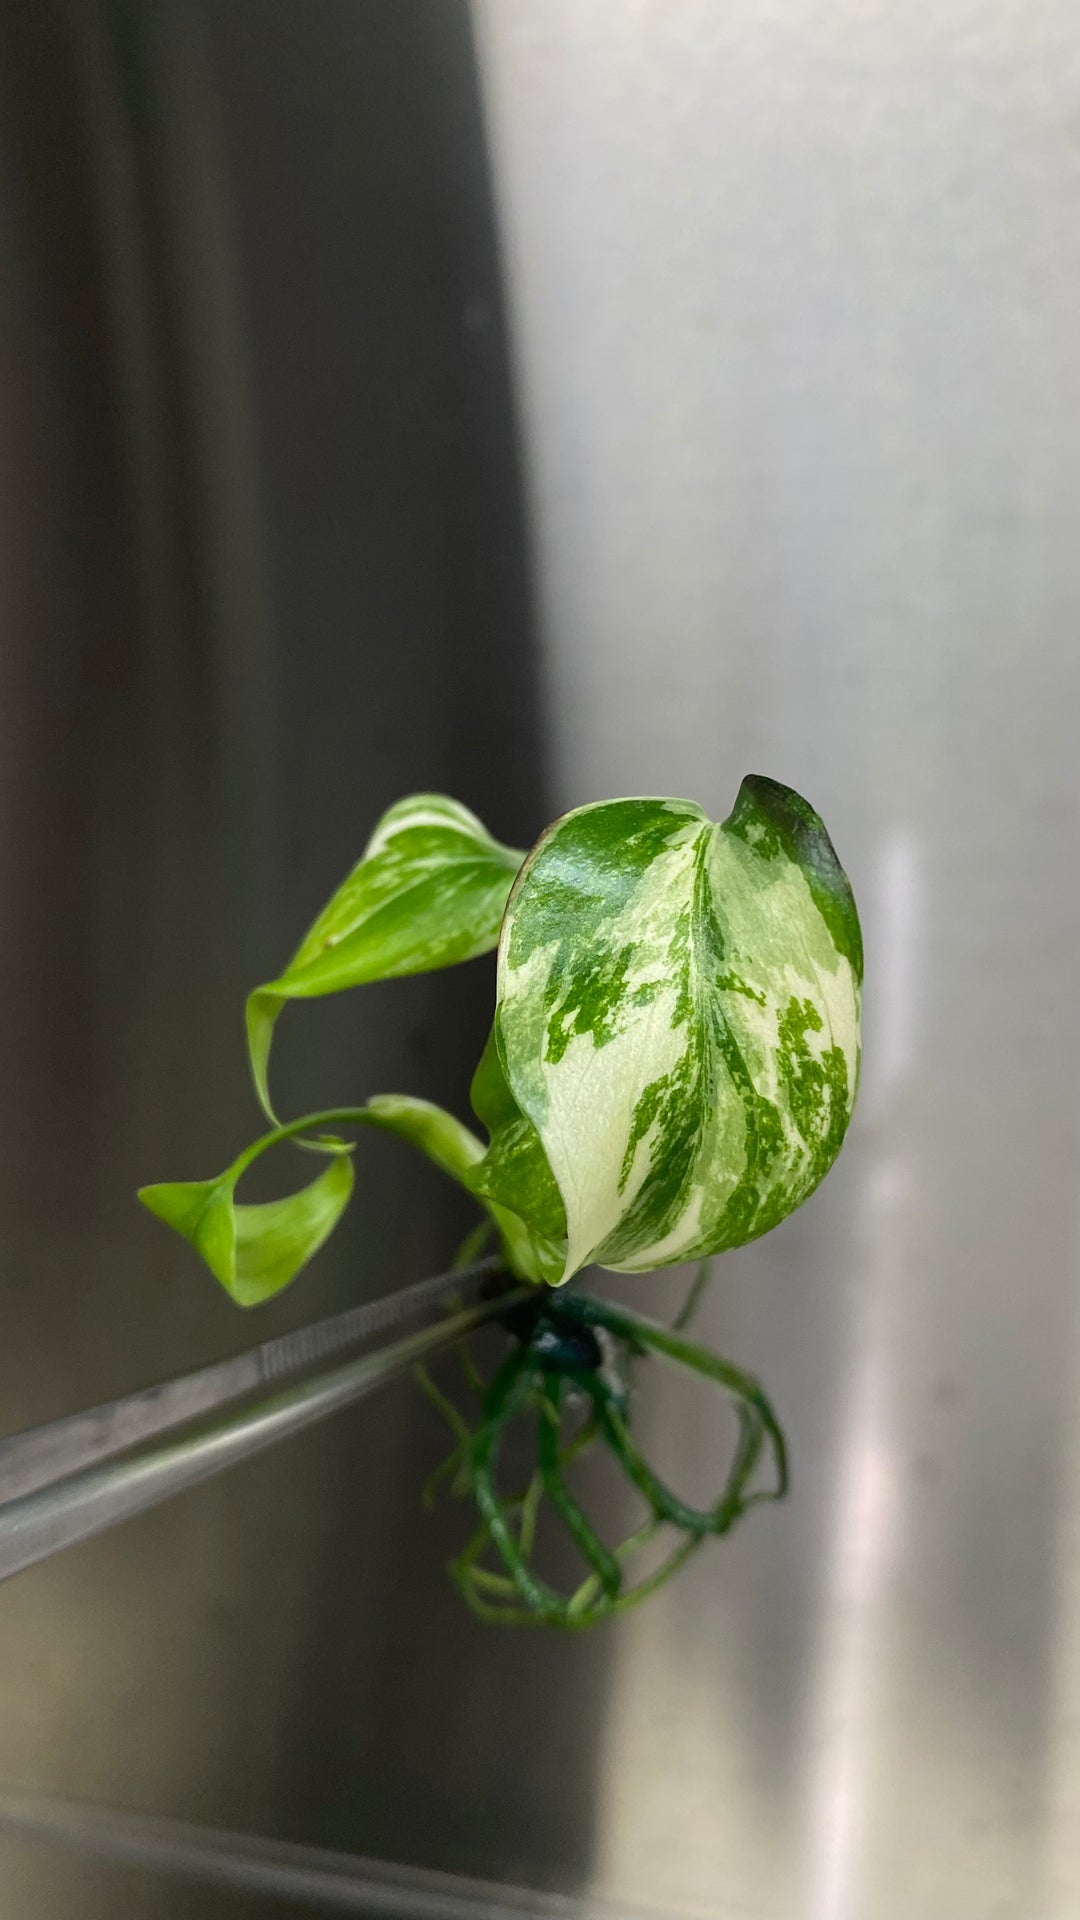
[
  {"x": 677, "y": 1025},
  {"x": 428, "y": 891}
]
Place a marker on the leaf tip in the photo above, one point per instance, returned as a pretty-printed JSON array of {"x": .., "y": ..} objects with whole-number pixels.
[
  {"x": 260, "y": 1017},
  {"x": 766, "y": 805}
]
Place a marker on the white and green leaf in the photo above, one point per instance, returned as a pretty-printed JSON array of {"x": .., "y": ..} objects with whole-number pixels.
[
  {"x": 428, "y": 891},
  {"x": 677, "y": 1028}
]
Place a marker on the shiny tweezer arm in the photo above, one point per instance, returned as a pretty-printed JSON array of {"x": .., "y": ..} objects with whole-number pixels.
[{"x": 78, "y": 1476}]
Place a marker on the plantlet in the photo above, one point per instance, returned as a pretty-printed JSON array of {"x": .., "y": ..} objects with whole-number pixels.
[{"x": 670, "y": 1072}]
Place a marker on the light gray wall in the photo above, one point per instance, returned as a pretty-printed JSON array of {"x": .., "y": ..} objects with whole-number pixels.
[{"x": 795, "y": 294}]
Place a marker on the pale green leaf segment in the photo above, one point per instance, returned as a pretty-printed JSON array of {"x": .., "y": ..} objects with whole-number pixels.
[
  {"x": 254, "y": 1251},
  {"x": 676, "y": 1046},
  {"x": 428, "y": 891}
]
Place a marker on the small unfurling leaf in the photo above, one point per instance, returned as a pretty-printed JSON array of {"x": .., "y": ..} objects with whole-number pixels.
[{"x": 253, "y": 1251}]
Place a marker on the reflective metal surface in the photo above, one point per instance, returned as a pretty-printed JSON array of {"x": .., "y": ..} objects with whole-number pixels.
[
  {"x": 792, "y": 299},
  {"x": 119, "y": 1475},
  {"x": 796, "y": 295}
]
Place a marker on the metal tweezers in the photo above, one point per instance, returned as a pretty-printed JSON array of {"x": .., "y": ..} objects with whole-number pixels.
[{"x": 77, "y": 1476}]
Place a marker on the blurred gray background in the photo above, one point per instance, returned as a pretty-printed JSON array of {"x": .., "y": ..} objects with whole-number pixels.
[{"x": 548, "y": 401}]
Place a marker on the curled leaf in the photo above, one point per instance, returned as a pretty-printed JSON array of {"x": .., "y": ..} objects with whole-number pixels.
[
  {"x": 428, "y": 891},
  {"x": 677, "y": 1026},
  {"x": 253, "y": 1251}
]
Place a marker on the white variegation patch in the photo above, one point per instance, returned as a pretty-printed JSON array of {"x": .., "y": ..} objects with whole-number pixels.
[
  {"x": 436, "y": 810},
  {"x": 591, "y": 1099}
]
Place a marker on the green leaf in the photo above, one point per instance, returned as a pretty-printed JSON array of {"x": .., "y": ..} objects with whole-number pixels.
[
  {"x": 514, "y": 1173},
  {"x": 458, "y": 1152},
  {"x": 677, "y": 1025},
  {"x": 489, "y": 1096},
  {"x": 253, "y": 1250},
  {"x": 428, "y": 891}
]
